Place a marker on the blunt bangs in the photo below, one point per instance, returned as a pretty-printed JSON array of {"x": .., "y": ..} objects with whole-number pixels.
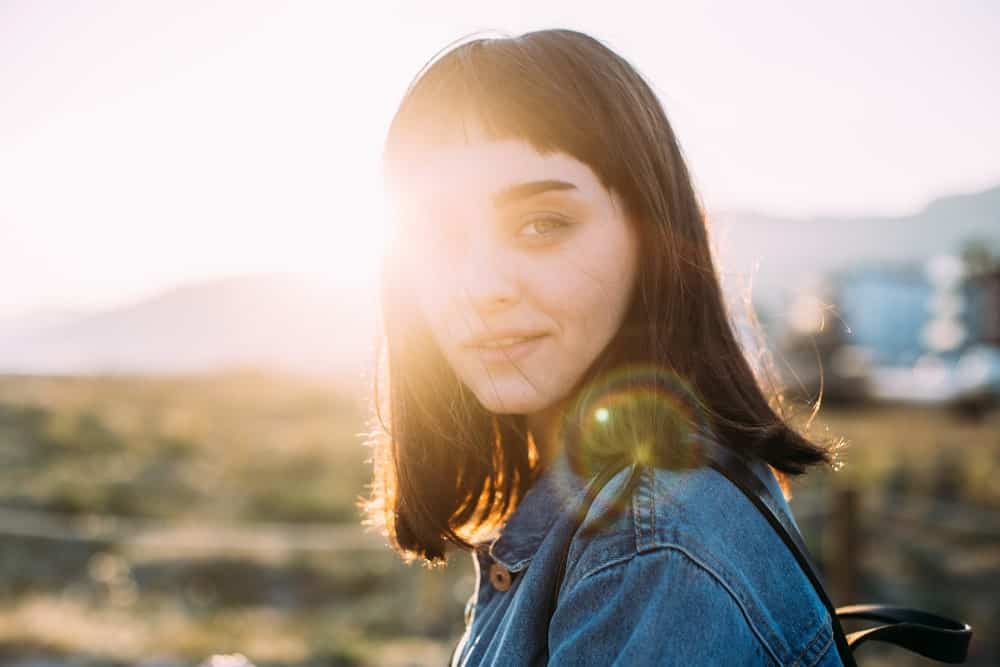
[{"x": 502, "y": 87}]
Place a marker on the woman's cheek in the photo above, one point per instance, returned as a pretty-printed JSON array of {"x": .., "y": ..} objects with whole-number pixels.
[{"x": 435, "y": 317}]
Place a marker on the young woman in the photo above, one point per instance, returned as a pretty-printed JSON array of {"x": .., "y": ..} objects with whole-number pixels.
[{"x": 550, "y": 308}]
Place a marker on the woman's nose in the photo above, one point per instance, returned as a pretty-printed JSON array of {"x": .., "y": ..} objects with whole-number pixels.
[{"x": 489, "y": 279}]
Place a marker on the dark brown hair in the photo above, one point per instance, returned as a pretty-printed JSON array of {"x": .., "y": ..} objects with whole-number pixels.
[{"x": 446, "y": 469}]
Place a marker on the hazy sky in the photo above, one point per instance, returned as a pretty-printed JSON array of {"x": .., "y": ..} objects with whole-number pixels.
[{"x": 144, "y": 144}]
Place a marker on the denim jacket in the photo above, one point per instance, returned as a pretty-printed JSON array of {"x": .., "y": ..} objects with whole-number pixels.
[{"x": 688, "y": 572}]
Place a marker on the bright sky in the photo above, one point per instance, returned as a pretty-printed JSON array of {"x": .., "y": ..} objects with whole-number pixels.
[{"x": 147, "y": 144}]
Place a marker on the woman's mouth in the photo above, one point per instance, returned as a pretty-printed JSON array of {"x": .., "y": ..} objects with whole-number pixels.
[{"x": 507, "y": 349}]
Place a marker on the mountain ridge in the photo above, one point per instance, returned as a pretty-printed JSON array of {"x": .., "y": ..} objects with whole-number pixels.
[{"x": 291, "y": 321}]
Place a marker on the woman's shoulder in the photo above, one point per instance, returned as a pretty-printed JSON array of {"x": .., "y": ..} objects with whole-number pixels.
[
  {"x": 643, "y": 508},
  {"x": 695, "y": 525}
]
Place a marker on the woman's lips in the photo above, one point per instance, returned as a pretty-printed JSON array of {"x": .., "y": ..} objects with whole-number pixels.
[{"x": 512, "y": 352}]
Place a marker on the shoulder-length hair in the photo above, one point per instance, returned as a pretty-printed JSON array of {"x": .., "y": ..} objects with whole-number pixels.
[{"x": 445, "y": 469}]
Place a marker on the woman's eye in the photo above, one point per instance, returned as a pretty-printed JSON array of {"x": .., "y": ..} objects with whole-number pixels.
[{"x": 542, "y": 227}]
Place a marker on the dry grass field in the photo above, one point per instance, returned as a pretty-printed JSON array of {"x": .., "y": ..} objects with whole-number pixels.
[{"x": 163, "y": 520}]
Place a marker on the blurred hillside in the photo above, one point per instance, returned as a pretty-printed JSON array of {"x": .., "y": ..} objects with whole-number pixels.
[
  {"x": 789, "y": 249},
  {"x": 288, "y": 322},
  {"x": 284, "y": 322}
]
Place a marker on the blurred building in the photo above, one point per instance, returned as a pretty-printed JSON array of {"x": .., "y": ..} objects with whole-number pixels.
[
  {"x": 918, "y": 331},
  {"x": 984, "y": 302},
  {"x": 885, "y": 309}
]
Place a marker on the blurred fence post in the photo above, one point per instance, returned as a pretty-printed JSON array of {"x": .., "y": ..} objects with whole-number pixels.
[{"x": 844, "y": 546}]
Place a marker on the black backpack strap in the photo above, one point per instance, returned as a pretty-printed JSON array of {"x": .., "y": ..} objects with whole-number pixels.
[
  {"x": 736, "y": 469},
  {"x": 931, "y": 635},
  {"x": 936, "y": 637}
]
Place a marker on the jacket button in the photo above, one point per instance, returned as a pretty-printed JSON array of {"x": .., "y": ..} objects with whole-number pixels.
[{"x": 499, "y": 577}]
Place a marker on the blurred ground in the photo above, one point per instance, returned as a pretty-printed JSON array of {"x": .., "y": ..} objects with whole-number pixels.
[{"x": 159, "y": 521}]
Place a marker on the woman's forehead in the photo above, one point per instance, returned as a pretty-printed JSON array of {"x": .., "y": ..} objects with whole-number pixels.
[{"x": 479, "y": 168}]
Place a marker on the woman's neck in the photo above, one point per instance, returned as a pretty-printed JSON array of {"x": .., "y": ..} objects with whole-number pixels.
[{"x": 544, "y": 428}]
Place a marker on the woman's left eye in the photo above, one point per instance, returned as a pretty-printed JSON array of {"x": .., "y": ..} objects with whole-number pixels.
[{"x": 543, "y": 227}]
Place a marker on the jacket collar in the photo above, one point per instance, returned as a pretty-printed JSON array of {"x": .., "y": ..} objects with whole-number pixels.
[
  {"x": 557, "y": 490},
  {"x": 554, "y": 492}
]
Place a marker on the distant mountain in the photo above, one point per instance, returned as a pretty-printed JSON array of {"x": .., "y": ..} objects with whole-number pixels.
[
  {"x": 790, "y": 249},
  {"x": 290, "y": 322},
  {"x": 37, "y": 319},
  {"x": 279, "y": 321}
]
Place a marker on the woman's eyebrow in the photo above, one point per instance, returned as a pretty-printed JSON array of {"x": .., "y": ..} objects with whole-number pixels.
[{"x": 512, "y": 193}]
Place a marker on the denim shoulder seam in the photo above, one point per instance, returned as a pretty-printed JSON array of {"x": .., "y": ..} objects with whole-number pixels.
[
  {"x": 824, "y": 631},
  {"x": 700, "y": 566},
  {"x": 646, "y": 515},
  {"x": 605, "y": 565}
]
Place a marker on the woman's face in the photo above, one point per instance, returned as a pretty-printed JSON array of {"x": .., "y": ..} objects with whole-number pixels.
[{"x": 522, "y": 265}]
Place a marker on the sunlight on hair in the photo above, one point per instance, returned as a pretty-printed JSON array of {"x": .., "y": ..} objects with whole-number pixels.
[{"x": 387, "y": 221}]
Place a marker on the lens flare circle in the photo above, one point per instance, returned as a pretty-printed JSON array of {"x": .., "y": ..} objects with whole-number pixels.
[{"x": 634, "y": 414}]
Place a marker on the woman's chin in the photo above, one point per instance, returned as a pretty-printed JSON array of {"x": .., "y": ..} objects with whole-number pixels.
[{"x": 514, "y": 404}]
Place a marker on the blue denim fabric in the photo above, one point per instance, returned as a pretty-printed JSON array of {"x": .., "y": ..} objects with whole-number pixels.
[{"x": 687, "y": 573}]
